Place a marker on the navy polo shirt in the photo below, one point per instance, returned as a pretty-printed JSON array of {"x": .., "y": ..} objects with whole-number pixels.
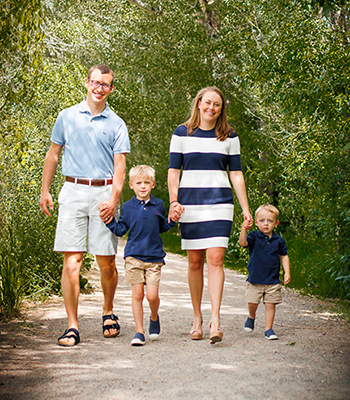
[
  {"x": 145, "y": 222},
  {"x": 265, "y": 252}
]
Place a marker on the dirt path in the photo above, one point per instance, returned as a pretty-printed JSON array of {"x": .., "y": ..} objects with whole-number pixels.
[{"x": 311, "y": 360}]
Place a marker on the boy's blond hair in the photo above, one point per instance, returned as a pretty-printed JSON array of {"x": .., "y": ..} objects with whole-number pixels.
[
  {"x": 142, "y": 171},
  {"x": 268, "y": 207}
]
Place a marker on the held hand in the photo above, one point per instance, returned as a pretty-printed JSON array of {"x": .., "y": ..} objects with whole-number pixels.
[
  {"x": 247, "y": 224},
  {"x": 107, "y": 211},
  {"x": 45, "y": 200},
  {"x": 286, "y": 278},
  {"x": 248, "y": 217},
  {"x": 175, "y": 211}
]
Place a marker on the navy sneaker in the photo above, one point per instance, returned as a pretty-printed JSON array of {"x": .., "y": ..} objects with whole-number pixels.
[
  {"x": 249, "y": 325},
  {"x": 139, "y": 339},
  {"x": 154, "y": 329},
  {"x": 270, "y": 334}
]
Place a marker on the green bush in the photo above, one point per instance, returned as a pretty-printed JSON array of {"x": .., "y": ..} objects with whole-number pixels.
[{"x": 12, "y": 278}]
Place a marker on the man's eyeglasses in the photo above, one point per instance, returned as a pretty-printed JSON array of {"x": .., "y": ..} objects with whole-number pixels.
[{"x": 97, "y": 84}]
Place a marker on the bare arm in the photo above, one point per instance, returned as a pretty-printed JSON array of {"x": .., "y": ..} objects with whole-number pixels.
[
  {"x": 108, "y": 208},
  {"x": 286, "y": 268},
  {"x": 238, "y": 184},
  {"x": 176, "y": 209},
  {"x": 247, "y": 224},
  {"x": 50, "y": 166}
]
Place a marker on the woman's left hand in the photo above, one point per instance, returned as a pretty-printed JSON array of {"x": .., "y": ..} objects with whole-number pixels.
[{"x": 175, "y": 211}]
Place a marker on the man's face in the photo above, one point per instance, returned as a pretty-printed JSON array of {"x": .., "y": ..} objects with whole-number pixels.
[{"x": 98, "y": 93}]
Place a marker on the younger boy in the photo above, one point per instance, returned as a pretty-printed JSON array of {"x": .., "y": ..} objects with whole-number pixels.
[
  {"x": 143, "y": 216},
  {"x": 266, "y": 250}
]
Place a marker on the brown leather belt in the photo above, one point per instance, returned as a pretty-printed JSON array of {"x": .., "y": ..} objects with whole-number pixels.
[{"x": 90, "y": 182}]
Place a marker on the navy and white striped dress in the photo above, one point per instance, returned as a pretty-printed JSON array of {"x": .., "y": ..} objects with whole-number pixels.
[{"x": 205, "y": 189}]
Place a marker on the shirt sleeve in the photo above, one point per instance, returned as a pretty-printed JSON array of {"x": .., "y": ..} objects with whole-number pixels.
[
  {"x": 121, "y": 227},
  {"x": 57, "y": 135},
  {"x": 176, "y": 152},
  {"x": 235, "y": 153},
  {"x": 164, "y": 225},
  {"x": 282, "y": 247},
  {"x": 121, "y": 143},
  {"x": 251, "y": 239}
]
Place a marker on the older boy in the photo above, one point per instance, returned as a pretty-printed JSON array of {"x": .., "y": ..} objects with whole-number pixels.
[
  {"x": 143, "y": 216},
  {"x": 266, "y": 250}
]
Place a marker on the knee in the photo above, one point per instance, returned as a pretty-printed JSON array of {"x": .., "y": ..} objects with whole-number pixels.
[
  {"x": 270, "y": 306},
  {"x": 215, "y": 261},
  {"x": 195, "y": 265},
  {"x": 138, "y": 292},
  {"x": 107, "y": 266},
  {"x": 152, "y": 297},
  {"x": 138, "y": 296},
  {"x": 72, "y": 264}
]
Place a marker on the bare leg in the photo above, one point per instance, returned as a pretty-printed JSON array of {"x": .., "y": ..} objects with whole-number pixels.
[
  {"x": 109, "y": 281},
  {"x": 153, "y": 300},
  {"x": 216, "y": 278},
  {"x": 270, "y": 309},
  {"x": 72, "y": 263},
  {"x": 137, "y": 307},
  {"x": 196, "y": 283},
  {"x": 252, "y": 307}
]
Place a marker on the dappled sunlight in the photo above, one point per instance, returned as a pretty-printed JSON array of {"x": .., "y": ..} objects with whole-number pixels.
[
  {"x": 226, "y": 310},
  {"x": 220, "y": 367}
]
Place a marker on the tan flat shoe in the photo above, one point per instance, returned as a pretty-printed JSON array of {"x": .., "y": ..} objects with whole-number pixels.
[{"x": 215, "y": 333}]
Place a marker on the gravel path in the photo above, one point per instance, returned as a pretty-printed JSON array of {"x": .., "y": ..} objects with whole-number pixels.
[{"x": 311, "y": 360}]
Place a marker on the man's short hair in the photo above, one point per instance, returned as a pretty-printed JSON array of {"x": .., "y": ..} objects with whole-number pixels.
[
  {"x": 104, "y": 69},
  {"x": 268, "y": 207},
  {"x": 142, "y": 171}
]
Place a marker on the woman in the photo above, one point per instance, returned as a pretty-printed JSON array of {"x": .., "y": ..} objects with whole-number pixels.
[{"x": 204, "y": 146}]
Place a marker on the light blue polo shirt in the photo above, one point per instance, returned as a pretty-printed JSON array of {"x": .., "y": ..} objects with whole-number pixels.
[{"x": 89, "y": 142}]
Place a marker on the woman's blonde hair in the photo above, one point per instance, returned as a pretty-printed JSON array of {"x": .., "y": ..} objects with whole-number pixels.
[
  {"x": 142, "y": 171},
  {"x": 222, "y": 128}
]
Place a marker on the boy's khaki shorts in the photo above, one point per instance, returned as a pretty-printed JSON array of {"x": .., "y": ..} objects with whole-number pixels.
[
  {"x": 137, "y": 271},
  {"x": 269, "y": 293}
]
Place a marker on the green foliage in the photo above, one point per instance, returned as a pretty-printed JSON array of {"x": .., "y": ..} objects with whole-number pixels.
[
  {"x": 12, "y": 280},
  {"x": 283, "y": 67}
]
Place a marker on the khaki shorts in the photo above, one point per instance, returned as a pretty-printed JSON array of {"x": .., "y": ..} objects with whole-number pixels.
[
  {"x": 79, "y": 226},
  {"x": 137, "y": 271},
  {"x": 269, "y": 293}
]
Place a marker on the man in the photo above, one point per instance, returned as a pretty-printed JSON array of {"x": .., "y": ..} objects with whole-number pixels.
[{"x": 95, "y": 142}]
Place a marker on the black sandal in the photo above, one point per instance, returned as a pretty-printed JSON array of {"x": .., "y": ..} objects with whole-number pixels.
[
  {"x": 76, "y": 337},
  {"x": 112, "y": 326}
]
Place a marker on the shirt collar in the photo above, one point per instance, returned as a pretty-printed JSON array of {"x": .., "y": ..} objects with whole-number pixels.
[
  {"x": 84, "y": 109},
  {"x": 262, "y": 235},
  {"x": 137, "y": 201}
]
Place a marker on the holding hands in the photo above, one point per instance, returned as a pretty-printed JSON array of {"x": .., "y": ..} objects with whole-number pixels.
[
  {"x": 247, "y": 223},
  {"x": 106, "y": 212},
  {"x": 175, "y": 211}
]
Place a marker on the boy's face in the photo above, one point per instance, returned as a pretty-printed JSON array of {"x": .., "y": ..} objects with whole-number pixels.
[
  {"x": 266, "y": 221},
  {"x": 142, "y": 186}
]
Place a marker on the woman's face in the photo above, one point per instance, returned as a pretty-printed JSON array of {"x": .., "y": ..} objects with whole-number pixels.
[{"x": 210, "y": 108}]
